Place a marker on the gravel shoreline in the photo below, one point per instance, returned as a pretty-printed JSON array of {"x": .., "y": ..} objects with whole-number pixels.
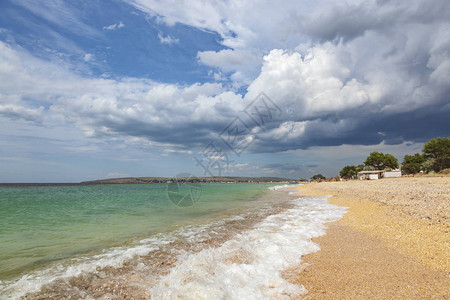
[
  {"x": 394, "y": 242},
  {"x": 419, "y": 197}
]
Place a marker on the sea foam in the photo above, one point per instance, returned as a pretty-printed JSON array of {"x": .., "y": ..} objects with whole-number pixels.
[
  {"x": 250, "y": 265},
  {"x": 114, "y": 257},
  {"x": 247, "y": 266}
]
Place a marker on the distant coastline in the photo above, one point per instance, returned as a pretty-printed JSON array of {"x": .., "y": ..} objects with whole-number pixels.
[{"x": 147, "y": 180}]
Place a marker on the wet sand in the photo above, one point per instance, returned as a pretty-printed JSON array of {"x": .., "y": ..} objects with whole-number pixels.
[{"x": 393, "y": 243}]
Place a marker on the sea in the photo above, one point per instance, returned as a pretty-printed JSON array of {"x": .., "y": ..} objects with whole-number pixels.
[{"x": 159, "y": 241}]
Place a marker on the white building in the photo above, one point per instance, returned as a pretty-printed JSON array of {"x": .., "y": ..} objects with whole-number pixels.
[
  {"x": 370, "y": 175},
  {"x": 378, "y": 174},
  {"x": 393, "y": 173}
]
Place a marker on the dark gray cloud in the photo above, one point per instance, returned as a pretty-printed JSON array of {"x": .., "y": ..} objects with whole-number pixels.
[
  {"x": 344, "y": 21},
  {"x": 387, "y": 81},
  {"x": 367, "y": 129}
]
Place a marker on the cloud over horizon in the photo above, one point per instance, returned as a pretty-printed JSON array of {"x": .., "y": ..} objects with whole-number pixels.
[{"x": 353, "y": 73}]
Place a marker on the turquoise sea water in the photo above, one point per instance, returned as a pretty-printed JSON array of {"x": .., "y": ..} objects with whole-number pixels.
[
  {"x": 41, "y": 225},
  {"x": 134, "y": 242}
]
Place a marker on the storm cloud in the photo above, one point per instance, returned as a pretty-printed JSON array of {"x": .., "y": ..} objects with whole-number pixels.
[{"x": 360, "y": 72}]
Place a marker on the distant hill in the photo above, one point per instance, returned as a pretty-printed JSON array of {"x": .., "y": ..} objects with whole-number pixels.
[
  {"x": 143, "y": 180},
  {"x": 140, "y": 180}
]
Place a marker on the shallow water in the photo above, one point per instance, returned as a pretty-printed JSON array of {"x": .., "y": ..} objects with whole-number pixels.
[
  {"x": 43, "y": 224},
  {"x": 151, "y": 248}
]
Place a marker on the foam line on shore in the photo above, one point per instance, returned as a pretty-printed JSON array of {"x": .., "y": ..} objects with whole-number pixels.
[
  {"x": 247, "y": 264},
  {"x": 277, "y": 187},
  {"x": 250, "y": 265},
  {"x": 115, "y": 257}
]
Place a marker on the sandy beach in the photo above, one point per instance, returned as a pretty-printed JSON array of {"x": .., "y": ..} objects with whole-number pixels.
[{"x": 394, "y": 241}]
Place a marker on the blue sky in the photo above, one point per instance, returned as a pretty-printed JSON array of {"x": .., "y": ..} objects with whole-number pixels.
[
  {"x": 108, "y": 39},
  {"x": 98, "y": 89}
]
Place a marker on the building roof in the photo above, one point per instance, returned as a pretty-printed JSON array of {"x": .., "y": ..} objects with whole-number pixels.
[{"x": 371, "y": 172}]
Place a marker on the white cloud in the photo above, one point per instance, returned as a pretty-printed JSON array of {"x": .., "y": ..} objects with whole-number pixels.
[
  {"x": 241, "y": 165},
  {"x": 114, "y": 26},
  {"x": 240, "y": 63},
  {"x": 105, "y": 107},
  {"x": 242, "y": 24},
  {"x": 168, "y": 40},
  {"x": 57, "y": 12},
  {"x": 17, "y": 111},
  {"x": 328, "y": 80},
  {"x": 252, "y": 28},
  {"x": 380, "y": 38},
  {"x": 88, "y": 57},
  {"x": 167, "y": 152},
  {"x": 286, "y": 130},
  {"x": 313, "y": 85},
  {"x": 195, "y": 14}
]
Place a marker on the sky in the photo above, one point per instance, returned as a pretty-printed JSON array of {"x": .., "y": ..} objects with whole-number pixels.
[{"x": 93, "y": 89}]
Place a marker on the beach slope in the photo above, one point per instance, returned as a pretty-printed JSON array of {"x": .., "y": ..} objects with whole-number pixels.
[{"x": 394, "y": 242}]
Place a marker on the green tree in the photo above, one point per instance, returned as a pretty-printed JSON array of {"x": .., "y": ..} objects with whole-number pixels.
[
  {"x": 439, "y": 150},
  {"x": 381, "y": 161},
  {"x": 369, "y": 168},
  {"x": 349, "y": 172},
  {"x": 318, "y": 177},
  {"x": 427, "y": 165},
  {"x": 413, "y": 163}
]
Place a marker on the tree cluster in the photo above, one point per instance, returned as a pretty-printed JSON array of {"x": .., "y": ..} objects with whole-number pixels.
[
  {"x": 375, "y": 161},
  {"x": 435, "y": 157},
  {"x": 318, "y": 177},
  {"x": 381, "y": 161},
  {"x": 350, "y": 172},
  {"x": 413, "y": 163}
]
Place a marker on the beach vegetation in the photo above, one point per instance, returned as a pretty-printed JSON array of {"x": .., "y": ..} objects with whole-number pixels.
[
  {"x": 318, "y": 177},
  {"x": 368, "y": 168},
  {"x": 438, "y": 150},
  {"x": 428, "y": 165},
  {"x": 445, "y": 171},
  {"x": 350, "y": 172},
  {"x": 381, "y": 161},
  {"x": 413, "y": 163}
]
